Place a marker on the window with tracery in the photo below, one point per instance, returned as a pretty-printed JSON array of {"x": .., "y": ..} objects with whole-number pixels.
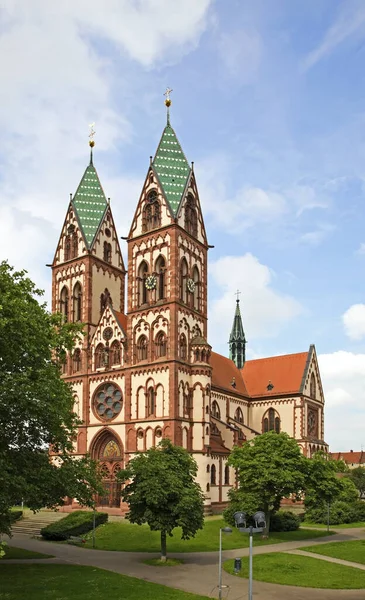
[
  {"x": 142, "y": 348},
  {"x": 271, "y": 421},
  {"x": 238, "y": 415},
  {"x": 107, "y": 401},
  {"x": 151, "y": 403},
  {"x": 183, "y": 349},
  {"x": 160, "y": 345},
  {"x": 191, "y": 219},
  {"x": 183, "y": 280},
  {"x": 151, "y": 212},
  {"x": 107, "y": 252},
  {"x": 64, "y": 303},
  {"x": 215, "y": 410},
  {"x": 160, "y": 271},
  {"x": 141, "y": 280},
  {"x": 115, "y": 353},
  {"x": 313, "y": 390},
  {"x": 77, "y": 303},
  {"x": 99, "y": 356},
  {"x": 196, "y": 293},
  {"x": 76, "y": 361},
  {"x": 213, "y": 476}
]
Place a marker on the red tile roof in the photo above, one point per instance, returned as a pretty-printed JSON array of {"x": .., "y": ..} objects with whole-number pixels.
[
  {"x": 217, "y": 446},
  {"x": 224, "y": 372},
  {"x": 122, "y": 319},
  {"x": 284, "y": 372},
  {"x": 353, "y": 458}
]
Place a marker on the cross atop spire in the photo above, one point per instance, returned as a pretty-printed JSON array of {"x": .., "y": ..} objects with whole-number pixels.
[
  {"x": 168, "y": 103},
  {"x": 238, "y": 293}
]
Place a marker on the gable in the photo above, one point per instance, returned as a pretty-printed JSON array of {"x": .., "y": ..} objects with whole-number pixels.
[
  {"x": 71, "y": 236},
  {"x": 150, "y": 185},
  {"x": 110, "y": 329},
  {"x": 107, "y": 234},
  {"x": 284, "y": 373},
  {"x": 191, "y": 191},
  {"x": 311, "y": 384}
]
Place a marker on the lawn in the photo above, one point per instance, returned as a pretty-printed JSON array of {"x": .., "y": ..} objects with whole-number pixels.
[
  {"x": 12, "y": 552},
  {"x": 302, "y": 571},
  {"x": 139, "y": 538},
  {"x": 358, "y": 524},
  {"x": 63, "y": 582},
  {"x": 353, "y": 551}
]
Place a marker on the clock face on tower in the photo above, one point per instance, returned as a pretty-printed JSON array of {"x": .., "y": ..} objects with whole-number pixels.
[
  {"x": 151, "y": 282},
  {"x": 190, "y": 284}
]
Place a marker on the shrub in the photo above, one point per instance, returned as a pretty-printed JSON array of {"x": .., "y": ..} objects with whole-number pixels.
[
  {"x": 340, "y": 513},
  {"x": 76, "y": 523},
  {"x": 284, "y": 521},
  {"x": 15, "y": 515}
]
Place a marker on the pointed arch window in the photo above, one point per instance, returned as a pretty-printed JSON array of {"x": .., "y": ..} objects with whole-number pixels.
[
  {"x": 115, "y": 353},
  {"x": 215, "y": 410},
  {"x": 313, "y": 390},
  {"x": 75, "y": 245},
  {"x": 99, "y": 356},
  {"x": 142, "y": 348},
  {"x": 160, "y": 345},
  {"x": 191, "y": 219},
  {"x": 105, "y": 299},
  {"x": 151, "y": 212},
  {"x": 238, "y": 415},
  {"x": 76, "y": 361},
  {"x": 183, "y": 280},
  {"x": 196, "y": 293},
  {"x": 161, "y": 271},
  {"x": 77, "y": 303},
  {"x": 151, "y": 404},
  {"x": 64, "y": 303},
  {"x": 107, "y": 252},
  {"x": 271, "y": 421},
  {"x": 141, "y": 281},
  {"x": 226, "y": 475},
  {"x": 213, "y": 476},
  {"x": 68, "y": 247},
  {"x": 183, "y": 347}
]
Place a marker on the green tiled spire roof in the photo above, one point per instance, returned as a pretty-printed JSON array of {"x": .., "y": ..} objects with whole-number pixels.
[
  {"x": 237, "y": 339},
  {"x": 89, "y": 203},
  {"x": 172, "y": 168}
]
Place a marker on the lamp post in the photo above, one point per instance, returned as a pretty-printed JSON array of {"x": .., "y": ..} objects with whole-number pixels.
[
  {"x": 225, "y": 530},
  {"x": 260, "y": 524}
]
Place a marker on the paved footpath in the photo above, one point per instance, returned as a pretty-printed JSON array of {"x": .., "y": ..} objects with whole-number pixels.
[{"x": 199, "y": 573}]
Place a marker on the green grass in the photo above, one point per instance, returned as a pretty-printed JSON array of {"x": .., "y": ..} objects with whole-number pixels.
[
  {"x": 353, "y": 551},
  {"x": 63, "y": 582},
  {"x": 358, "y": 524},
  {"x": 12, "y": 552},
  {"x": 302, "y": 571},
  {"x": 139, "y": 538},
  {"x": 157, "y": 562}
]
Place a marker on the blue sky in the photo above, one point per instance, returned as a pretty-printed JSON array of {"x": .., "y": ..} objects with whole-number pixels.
[{"x": 268, "y": 102}]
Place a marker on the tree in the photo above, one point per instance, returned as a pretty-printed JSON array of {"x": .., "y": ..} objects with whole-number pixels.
[
  {"x": 163, "y": 493},
  {"x": 358, "y": 477},
  {"x": 323, "y": 485},
  {"x": 270, "y": 467},
  {"x": 36, "y": 405}
]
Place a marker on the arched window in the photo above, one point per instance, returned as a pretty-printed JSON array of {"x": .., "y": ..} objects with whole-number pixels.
[
  {"x": 226, "y": 475},
  {"x": 271, "y": 421},
  {"x": 115, "y": 353},
  {"x": 107, "y": 252},
  {"x": 160, "y": 270},
  {"x": 99, "y": 356},
  {"x": 183, "y": 347},
  {"x": 151, "y": 405},
  {"x": 64, "y": 364},
  {"x": 215, "y": 410},
  {"x": 183, "y": 280},
  {"x": 142, "y": 348},
  {"x": 208, "y": 468},
  {"x": 238, "y": 415},
  {"x": 212, "y": 475},
  {"x": 105, "y": 299},
  {"x": 160, "y": 345},
  {"x": 191, "y": 220},
  {"x": 76, "y": 361},
  {"x": 64, "y": 303},
  {"x": 75, "y": 245},
  {"x": 196, "y": 293},
  {"x": 151, "y": 212},
  {"x": 77, "y": 303},
  {"x": 68, "y": 247},
  {"x": 142, "y": 290},
  {"x": 312, "y": 391}
]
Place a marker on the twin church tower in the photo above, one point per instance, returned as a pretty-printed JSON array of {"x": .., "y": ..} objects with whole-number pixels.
[{"x": 144, "y": 369}]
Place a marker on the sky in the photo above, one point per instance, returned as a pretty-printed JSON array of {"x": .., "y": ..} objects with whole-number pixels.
[{"x": 268, "y": 101}]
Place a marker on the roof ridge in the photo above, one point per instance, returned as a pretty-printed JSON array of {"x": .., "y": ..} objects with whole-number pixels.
[{"x": 277, "y": 356}]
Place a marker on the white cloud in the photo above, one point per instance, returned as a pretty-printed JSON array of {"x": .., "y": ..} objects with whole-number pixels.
[
  {"x": 343, "y": 378},
  {"x": 318, "y": 235},
  {"x": 350, "y": 20},
  {"x": 264, "y": 310},
  {"x": 354, "y": 321},
  {"x": 241, "y": 52},
  {"x": 361, "y": 249}
]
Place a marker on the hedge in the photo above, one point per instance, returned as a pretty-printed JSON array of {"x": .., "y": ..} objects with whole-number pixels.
[
  {"x": 284, "y": 521},
  {"x": 340, "y": 512},
  {"x": 75, "y": 524}
]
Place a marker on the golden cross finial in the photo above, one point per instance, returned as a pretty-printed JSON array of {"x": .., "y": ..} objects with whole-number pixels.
[
  {"x": 238, "y": 293},
  {"x": 91, "y": 135},
  {"x": 168, "y": 99}
]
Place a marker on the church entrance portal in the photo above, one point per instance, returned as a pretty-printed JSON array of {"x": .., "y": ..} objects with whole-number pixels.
[{"x": 108, "y": 451}]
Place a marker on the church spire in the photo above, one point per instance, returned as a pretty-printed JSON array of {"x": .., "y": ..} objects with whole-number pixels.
[{"x": 237, "y": 340}]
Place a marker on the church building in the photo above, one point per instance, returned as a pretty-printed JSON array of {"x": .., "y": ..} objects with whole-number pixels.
[{"x": 145, "y": 369}]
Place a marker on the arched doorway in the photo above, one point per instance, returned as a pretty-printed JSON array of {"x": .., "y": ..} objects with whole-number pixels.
[{"x": 107, "y": 449}]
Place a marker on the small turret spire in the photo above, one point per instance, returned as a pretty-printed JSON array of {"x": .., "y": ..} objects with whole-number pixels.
[
  {"x": 168, "y": 103},
  {"x": 237, "y": 340}
]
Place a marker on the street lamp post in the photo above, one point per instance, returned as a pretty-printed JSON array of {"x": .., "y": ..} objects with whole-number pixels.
[
  {"x": 260, "y": 524},
  {"x": 225, "y": 530}
]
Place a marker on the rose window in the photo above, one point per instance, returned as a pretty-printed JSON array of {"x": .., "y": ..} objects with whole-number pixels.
[{"x": 108, "y": 401}]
